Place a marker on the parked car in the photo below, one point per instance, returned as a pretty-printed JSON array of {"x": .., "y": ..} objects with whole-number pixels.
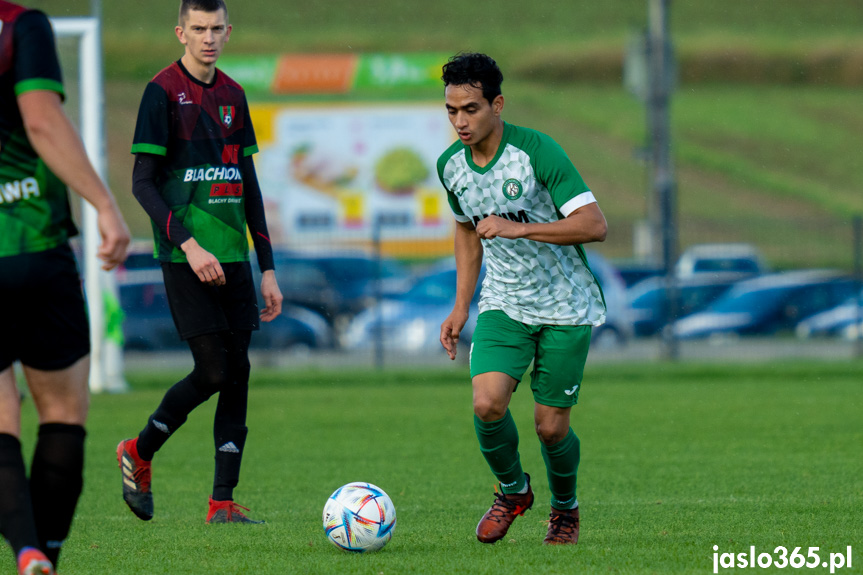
[
  {"x": 333, "y": 285},
  {"x": 148, "y": 324},
  {"x": 843, "y": 321},
  {"x": 742, "y": 259},
  {"x": 633, "y": 272},
  {"x": 411, "y": 322},
  {"x": 700, "y": 260},
  {"x": 768, "y": 304},
  {"x": 337, "y": 285},
  {"x": 618, "y": 326},
  {"x": 649, "y": 301}
]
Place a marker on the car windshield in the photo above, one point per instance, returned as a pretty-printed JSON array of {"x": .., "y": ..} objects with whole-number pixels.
[
  {"x": 356, "y": 269},
  {"x": 726, "y": 265},
  {"x": 648, "y": 299},
  {"x": 438, "y": 288},
  {"x": 748, "y": 301}
]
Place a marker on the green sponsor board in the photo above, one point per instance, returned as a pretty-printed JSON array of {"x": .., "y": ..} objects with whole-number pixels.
[
  {"x": 389, "y": 71},
  {"x": 254, "y": 73}
]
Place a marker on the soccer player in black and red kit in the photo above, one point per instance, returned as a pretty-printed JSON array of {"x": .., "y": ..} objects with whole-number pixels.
[
  {"x": 42, "y": 309},
  {"x": 195, "y": 178}
]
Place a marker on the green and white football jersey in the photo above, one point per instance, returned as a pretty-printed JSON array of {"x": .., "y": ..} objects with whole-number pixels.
[{"x": 530, "y": 180}]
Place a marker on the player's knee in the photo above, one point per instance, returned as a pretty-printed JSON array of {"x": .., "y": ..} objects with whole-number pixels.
[
  {"x": 212, "y": 379},
  {"x": 549, "y": 433},
  {"x": 486, "y": 409},
  {"x": 65, "y": 408}
]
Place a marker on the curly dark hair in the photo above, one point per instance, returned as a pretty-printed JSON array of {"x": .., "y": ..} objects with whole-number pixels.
[
  {"x": 475, "y": 69},
  {"x": 202, "y": 5}
]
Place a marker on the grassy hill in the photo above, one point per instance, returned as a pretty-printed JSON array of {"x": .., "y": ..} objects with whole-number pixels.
[
  {"x": 138, "y": 35},
  {"x": 765, "y": 122}
]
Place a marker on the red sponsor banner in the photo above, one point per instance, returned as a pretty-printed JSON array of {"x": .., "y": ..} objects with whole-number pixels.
[{"x": 226, "y": 189}]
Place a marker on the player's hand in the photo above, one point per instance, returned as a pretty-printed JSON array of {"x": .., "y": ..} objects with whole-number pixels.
[
  {"x": 496, "y": 226},
  {"x": 272, "y": 297},
  {"x": 450, "y": 330},
  {"x": 203, "y": 263},
  {"x": 115, "y": 237}
]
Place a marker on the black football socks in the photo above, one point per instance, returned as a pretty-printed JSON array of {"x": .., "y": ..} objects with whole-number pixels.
[
  {"x": 56, "y": 482},
  {"x": 16, "y": 509}
]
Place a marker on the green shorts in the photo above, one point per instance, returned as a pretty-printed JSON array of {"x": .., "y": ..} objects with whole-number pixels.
[{"x": 558, "y": 353}]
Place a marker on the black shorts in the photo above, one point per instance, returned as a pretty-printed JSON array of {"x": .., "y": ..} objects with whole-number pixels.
[
  {"x": 43, "y": 313},
  {"x": 199, "y": 308}
]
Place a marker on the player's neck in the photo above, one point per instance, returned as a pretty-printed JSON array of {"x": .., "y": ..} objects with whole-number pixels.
[
  {"x": 202, "y": 72},
  {"x": 484, "y": 152}
]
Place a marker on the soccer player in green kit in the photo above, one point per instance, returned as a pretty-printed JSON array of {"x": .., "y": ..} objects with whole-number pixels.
[
  {"x": 44, "y": 316},
  {"x": 195, "y": 178},
  {"x": 519, "y": 202}
]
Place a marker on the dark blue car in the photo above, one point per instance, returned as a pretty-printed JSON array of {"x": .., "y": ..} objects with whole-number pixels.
[
  {"x": 649, "y": 300},
  {"x": 769, "y": 304},
  {"x": 148, "y": 324},
  {"x": 337, "y": 285}
]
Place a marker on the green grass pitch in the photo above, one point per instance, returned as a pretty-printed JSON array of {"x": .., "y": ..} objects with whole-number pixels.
[{"x": 676, "y": 458}]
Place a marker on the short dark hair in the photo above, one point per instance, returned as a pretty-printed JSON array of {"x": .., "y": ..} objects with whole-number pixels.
[
  {"x": 474, "y": 69},
  {"x": 202, "y": 5}
]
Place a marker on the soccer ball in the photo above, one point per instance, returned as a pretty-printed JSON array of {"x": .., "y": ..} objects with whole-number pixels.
[{"x": 359, "y": 517}]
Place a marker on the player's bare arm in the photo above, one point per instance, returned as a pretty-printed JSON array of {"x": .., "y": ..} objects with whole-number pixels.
[
  {"x": 468, "y": 258},
  {"x": 272, "y": 296},
  {"x": 57, "y": 142},
  {"x": 584, "y": 225},
  {"x": 203, "y": 263}
]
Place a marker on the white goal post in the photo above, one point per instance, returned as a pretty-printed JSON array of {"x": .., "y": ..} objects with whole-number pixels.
[{"x": 106, "y": 362}]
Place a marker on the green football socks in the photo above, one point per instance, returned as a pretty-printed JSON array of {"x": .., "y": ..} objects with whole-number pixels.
[
  {"x": 561, "y": 463},
  {"x": 498, "y": 441}
]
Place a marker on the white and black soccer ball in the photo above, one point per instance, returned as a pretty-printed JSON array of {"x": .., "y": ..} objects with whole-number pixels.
[{"x": 359, "y": 517}]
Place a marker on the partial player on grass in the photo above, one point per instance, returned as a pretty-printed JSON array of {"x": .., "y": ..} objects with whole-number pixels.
[
  {"x": 195, "y": 178},
  {"x": 519, "y": 203},
  {"x": 42, "y": 308}
]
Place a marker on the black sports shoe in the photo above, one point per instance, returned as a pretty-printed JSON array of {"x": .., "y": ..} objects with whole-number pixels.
[
  {"x": 136, "y": 479},
  {"x": 507, "y": 506}
]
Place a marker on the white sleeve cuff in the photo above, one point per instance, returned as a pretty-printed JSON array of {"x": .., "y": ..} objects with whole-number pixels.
[
  {"x": 577, "y": 202},
  {"x": 461, "y": 219}
]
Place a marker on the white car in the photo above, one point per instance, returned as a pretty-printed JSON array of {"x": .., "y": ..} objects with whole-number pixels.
[{"x": 725, "y": 259}]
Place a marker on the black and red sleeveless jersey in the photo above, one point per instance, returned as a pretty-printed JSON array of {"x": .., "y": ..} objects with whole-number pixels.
[
  {"x": 203, "y": 131},
  {"x": 34, "y": 203}
]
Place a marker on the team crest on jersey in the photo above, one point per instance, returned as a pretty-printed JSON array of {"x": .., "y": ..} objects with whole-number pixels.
[
  {"x": 512, "y": 189},
  {"x": 227, "y": 115}
]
